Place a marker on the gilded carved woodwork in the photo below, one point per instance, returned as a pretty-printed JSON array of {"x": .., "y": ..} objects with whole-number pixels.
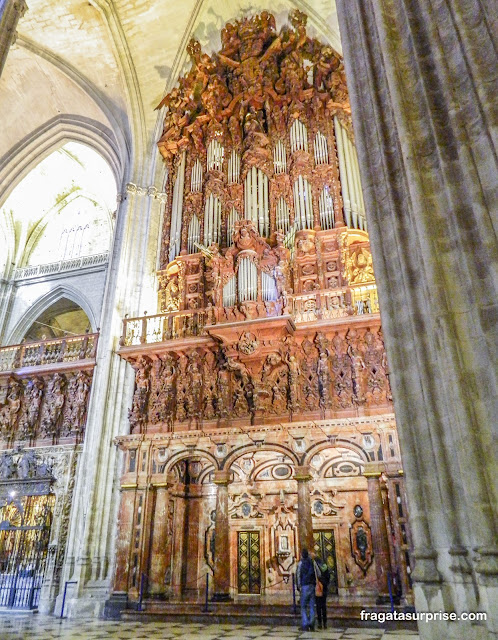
[
  {"x": 44, "y": 407},
  {"x": 257, "y": 374}
]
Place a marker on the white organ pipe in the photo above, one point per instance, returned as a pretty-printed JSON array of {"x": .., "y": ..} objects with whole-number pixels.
[
  {"x": 261, "y": 218},
  {"x": 254, "y": 203},
  {"x": 309, "y": 205},
  {"x": 193, "y": 234},
  {"x": 352, "y": 154},
  {"x": 176, "y": 211},
  {"x": 302, "y": 206},
  {"x": 342, "y": 170},
  {"x": 266, "y": 209},
  {"x": 196, "y": 177},
  {"x": 349, "y": 178}
]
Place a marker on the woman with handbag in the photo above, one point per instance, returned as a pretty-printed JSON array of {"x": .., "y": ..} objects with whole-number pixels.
[{"x": 322, "y": 574}]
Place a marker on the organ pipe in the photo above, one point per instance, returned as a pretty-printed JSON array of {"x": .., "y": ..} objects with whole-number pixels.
[
  {"x": 232, "y": 219},
  {"x": 282, "y": 216},
  {"x": 326, "y": 206},
  {"x": 321, "y": 150},
  {"x": 342, "y": 171},
  {"x": 194, "y": 233},
  {"x": 212, "y": 220},
  {"x": 233, "y": 168},
  {"x": 196, "y": 177},
  {"x": 279, "y": 158},
  {"x": 176, "y": 211},
  {"x": 256, "y": 200},
  {"x": 247, "y": 280},
  {"x": 229, "y": 293}
]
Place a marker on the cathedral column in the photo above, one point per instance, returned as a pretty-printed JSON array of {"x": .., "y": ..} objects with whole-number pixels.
[
  {"x": 12, "y": 11},
  {"x": 304, "y": 518},
  {"x": 423, "y": 103},
  {"x": 221, "y": 590},
  {"x": 380, "y": 540}
]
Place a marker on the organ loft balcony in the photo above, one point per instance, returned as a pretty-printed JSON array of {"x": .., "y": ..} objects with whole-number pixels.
[{"x": 260, "y": 333}]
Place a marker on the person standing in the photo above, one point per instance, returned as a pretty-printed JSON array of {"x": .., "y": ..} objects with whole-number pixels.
[
  {"x": 323, "y": 576},
  {"x": 306, "y": 583}
]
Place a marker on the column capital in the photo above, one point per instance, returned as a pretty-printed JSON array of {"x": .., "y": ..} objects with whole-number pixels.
[
  {"x": 222, "y": 477},
  {"x": 373, "y": 469},
  {"x": 303, "y": 474}
]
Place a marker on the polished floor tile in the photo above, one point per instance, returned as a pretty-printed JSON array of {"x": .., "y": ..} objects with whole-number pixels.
[{"x": 48, "y": 628}]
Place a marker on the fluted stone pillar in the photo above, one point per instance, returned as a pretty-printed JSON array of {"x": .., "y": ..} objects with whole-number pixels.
[
  {"x": 423, "y": 85},
  {"x": 380, "y": 540},
  {"x": 304, "y": 517},
  {"x": 221, "y": 588}
]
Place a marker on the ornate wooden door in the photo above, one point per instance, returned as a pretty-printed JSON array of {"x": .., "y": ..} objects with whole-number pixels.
[
  {"x": 324, "y": 547},
  {"x": 249, "y": 562}
]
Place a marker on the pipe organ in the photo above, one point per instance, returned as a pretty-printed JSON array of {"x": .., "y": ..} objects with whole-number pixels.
[
  {"x": 278, "y": 158},
  {"x": 265, "y": 270}
]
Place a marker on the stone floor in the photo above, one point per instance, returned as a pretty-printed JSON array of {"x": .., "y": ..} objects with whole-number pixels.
[{"x": 47, "y": 628}]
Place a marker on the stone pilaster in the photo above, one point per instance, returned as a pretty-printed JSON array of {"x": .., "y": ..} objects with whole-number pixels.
[
  {"x": 158, "y": 557},
  {"x": 380, "y": 540},
  {"x": 304, "y": 518},
  {"x": 221, "y": 590}
]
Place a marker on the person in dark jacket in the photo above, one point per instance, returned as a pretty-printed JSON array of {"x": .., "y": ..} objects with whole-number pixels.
[
  {"x": 306, "y": 582},
  {"x": 321, "y": 601}
]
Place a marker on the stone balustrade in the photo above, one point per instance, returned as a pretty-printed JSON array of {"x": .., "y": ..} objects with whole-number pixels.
[
  {"x": 62, "y": 266},
  {"x": 48, "y": 352}
]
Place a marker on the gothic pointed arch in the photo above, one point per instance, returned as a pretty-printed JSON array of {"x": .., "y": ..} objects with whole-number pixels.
[{"x": 44, "y": 303}]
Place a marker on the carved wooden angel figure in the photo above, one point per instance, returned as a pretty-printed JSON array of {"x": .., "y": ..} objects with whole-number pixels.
[
  {"x": 80, "y": 401},
  {"x": 137, "y": 414},
  {"x": 357, "y": 365},
  {"x": 294, "y": 374},
  {"x": 32, "y": 401},
  {"x": 54, "y": 404},
  {"x": 324, "y": 380}
]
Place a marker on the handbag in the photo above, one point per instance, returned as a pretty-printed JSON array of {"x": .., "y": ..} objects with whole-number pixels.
[{"x": 318, "y": 585}]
